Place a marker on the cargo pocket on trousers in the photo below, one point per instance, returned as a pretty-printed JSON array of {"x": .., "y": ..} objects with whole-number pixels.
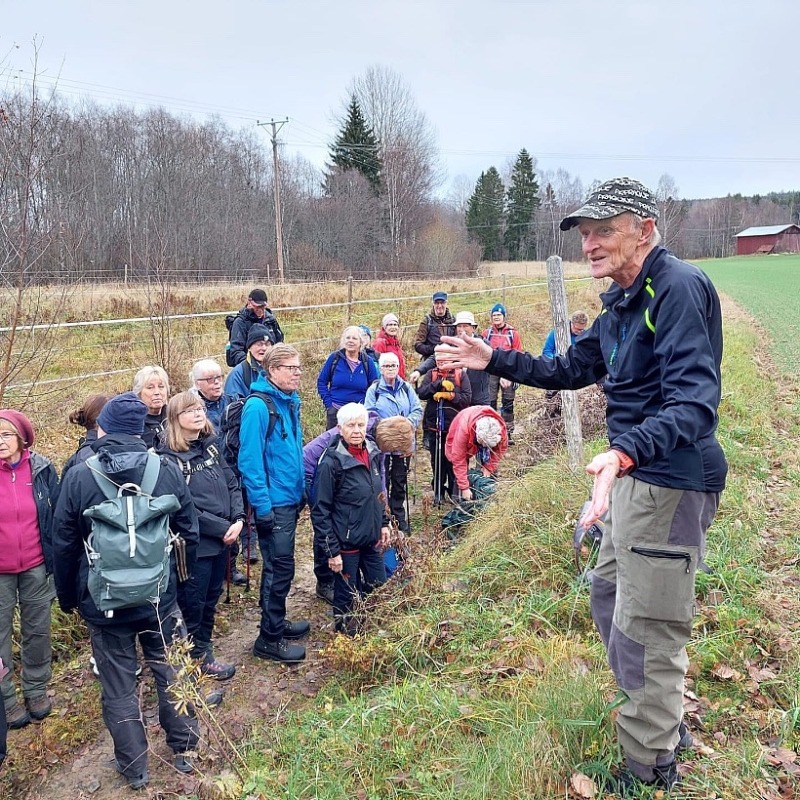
[{"x": 663, "y": 578}]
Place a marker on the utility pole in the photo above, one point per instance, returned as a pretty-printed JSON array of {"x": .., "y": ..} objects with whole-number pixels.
[{"x": 276, "y": 126}]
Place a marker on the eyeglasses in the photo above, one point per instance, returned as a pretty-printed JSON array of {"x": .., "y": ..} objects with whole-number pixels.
[
  {"x": 293, "y": 368},
  {"x": 193, "y": 411},
  {"x": 7, "y": 436},
  {"x": 212, "y": 379},
  {"x": 390, "y": 366}
]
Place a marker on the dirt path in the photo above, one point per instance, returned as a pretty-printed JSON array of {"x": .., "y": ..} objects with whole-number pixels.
[{"x": 260, "y": 691}]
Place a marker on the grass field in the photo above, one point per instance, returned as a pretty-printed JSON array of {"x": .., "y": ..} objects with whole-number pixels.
[{"x": 769, "y": 288}]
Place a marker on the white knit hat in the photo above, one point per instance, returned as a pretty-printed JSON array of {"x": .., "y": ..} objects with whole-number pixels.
[
  {"x": 488, "y": 432},
  {"x": 389, "y": 318}
]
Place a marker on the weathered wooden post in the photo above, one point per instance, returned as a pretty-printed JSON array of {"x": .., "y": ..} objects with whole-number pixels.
[
  {"x": 349, "y": 298},
  {"x": 504, "y": 290},
  {"x": 569, "y": 399}
]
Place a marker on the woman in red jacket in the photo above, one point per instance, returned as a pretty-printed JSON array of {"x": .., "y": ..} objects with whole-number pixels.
[
  {"x": 388, "y": 341},
  {"x": 476, "y": 431}
]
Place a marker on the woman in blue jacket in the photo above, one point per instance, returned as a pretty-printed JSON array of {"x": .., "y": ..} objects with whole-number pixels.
[{"x": 346, "y": 375}]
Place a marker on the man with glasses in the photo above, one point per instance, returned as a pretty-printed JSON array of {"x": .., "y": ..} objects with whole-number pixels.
[
  {"x": 271, "y": 465},
  {"x": 254, "y": 312},
  {"x": 208, "y": 385}
]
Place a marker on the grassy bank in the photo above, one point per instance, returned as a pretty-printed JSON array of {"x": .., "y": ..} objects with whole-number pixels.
[{"x": 483, "y": 676}]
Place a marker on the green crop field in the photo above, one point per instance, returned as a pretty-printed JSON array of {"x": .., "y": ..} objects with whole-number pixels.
[{"x": 769, "y": 288}]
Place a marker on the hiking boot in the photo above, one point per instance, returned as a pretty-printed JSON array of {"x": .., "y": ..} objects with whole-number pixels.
[
  {"x": 349, "y": 627},
  {"x": 626, "y": 784},
  {"x": 182, "y": 764},
  {"x": 686, "y": 741},
  {"x": 17, "y": 717},
  {"x": 297, "y": 629},
  {"x": 218, "y": 670},
  {"x": 325, "y": 592},
  {"x": 238, "y": 578},
  {"x": 134, "y": 781},
  {"x": 215, "y": 698},
  {"x": 252, "y": 554},
  {"x": 38, "y": 707},
  {"x": 278, "y": 651}
]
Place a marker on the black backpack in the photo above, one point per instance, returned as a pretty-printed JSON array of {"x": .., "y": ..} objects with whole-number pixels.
[
  {"x": 229, "y": 320},
  {"x": 230, "y": 427}
]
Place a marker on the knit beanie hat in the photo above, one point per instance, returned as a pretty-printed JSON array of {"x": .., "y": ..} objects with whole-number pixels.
[
  {"x": 365, "y": 329},
  {"x": 389, "y": 318},
  {"x": 488, "y": 432},
  {"x": 258, "y": 333},
  {"x": 124, "y": 413},
  {"x": 499, "y": 307},
  {"x": 21, "y": 423}
]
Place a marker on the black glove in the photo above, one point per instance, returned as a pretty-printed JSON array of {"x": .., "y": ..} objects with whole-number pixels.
[{"x": 265, "y": 524}]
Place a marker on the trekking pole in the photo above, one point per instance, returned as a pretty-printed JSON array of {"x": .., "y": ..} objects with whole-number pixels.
[
  {"x": 249, "y": 545},
  {"x": 437, "y": 459},
  {"x": 228, "y": 575}
]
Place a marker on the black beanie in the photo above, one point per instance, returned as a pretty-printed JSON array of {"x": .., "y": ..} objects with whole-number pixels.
[
  {"x": 124, "y": 413},
  {"x": 258, "y": 333}
]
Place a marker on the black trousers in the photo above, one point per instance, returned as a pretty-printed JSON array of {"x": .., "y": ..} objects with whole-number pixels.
[
  {"x": 396, "y": 467},
  {"x": 446, "y": 478},
  {"x": 198, "y": 598},
  {"x": 277, "y": 571},
  {"x": 362, "y": 571},
  {"x": 114, "y": 650}
]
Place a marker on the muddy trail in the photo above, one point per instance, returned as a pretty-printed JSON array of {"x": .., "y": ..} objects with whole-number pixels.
[{"x": 43, "y": 764}]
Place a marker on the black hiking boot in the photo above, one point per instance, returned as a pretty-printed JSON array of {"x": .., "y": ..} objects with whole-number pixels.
[
  {"x": 626, "y": 784},
  {"x": 325, "y": 592},
  {"x": 278, "y": 651},
  {"x": 686, "y": 741},
  {"x": 297, "y": 629}
]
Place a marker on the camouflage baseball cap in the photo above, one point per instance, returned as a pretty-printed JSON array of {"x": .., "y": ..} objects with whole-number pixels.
[{"x": 615, "y": 197}]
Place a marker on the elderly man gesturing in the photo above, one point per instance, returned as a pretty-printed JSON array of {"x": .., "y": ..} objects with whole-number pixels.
[{"x": 659, "y": 339}]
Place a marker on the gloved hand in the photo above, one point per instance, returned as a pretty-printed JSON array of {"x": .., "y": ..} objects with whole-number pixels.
[
  {"x": 265, "y": 524},
  {"x": 448, "y": 386},
  {"x": 444, "y": 396}
]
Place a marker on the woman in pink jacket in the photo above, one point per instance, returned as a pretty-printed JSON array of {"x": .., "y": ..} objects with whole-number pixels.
[
  {"x": 476, "y": 431},
  {"x": 28, "y": 493}
]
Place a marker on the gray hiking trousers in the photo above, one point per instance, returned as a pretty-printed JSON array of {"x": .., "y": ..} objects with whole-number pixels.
[{"x": 643, "y": 604}]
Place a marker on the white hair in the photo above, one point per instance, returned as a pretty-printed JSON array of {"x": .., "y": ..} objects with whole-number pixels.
[
  {"x": 203, "y": 365},
  {"x": 488, "y": 431},
  {"x": 351, "y": 411},
  {"x": 655, "y": 236},
  {"x": 384, "y": 357}
]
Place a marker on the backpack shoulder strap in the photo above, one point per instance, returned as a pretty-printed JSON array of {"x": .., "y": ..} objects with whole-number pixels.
[
  {"x": 106, "y": 485},
  {"x": 247, "y": 373},
  {"x": 273, "y": 412},
  {"x": 150, "y": 476}
]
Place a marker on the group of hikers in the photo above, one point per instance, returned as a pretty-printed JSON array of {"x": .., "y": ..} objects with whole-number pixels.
[{"x": 225, "y": 465}]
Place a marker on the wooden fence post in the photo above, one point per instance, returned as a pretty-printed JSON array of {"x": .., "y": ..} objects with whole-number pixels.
[
  {"x": 503, "y": 275},
  {"x": 349, "y": 298},
  {"x": 569, "y": 399}
]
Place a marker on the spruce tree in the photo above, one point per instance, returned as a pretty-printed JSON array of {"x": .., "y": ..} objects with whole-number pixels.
[
  {"x": 356, "y": 147},
  {"x": 523, "y": 200},
  {"x": 485, "y": 215}
]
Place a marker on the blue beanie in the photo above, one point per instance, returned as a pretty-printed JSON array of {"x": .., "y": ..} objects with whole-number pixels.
[
  {"x": 499, "y": 307},
  {"x": 365, "y": 329},
  {"x": 124, "y": 413}
]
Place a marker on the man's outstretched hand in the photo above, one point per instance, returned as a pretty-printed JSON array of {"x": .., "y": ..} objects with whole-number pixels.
[{"x": 463, "y": 351}]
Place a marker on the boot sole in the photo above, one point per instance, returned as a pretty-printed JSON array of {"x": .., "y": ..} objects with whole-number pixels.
[{"x": 271, "y": 657}]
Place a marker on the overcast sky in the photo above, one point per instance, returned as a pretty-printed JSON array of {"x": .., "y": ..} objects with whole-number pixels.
[{"x": 704, "y": 90}]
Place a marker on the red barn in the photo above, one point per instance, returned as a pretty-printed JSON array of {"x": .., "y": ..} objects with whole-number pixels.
[{"x": 768, "y": 239}]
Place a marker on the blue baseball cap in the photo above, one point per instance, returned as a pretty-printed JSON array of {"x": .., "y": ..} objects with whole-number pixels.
[{"x": 440, "y": 296}]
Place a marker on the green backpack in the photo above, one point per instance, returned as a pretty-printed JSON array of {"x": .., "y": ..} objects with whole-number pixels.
[{"x": 130, "y": 543}]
